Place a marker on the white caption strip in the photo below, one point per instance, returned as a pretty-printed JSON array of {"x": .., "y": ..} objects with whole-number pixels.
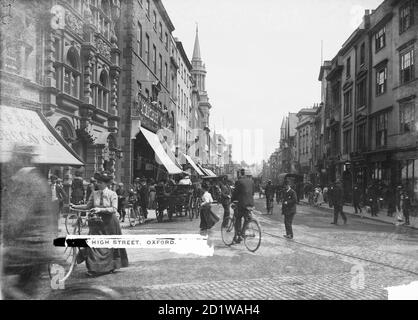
[{"x": 177, "y": 243}]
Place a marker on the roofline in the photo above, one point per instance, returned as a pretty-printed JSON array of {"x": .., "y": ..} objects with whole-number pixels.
[
  {"x": 164, "y": 15},
  {"x": 180, "y": 47}
]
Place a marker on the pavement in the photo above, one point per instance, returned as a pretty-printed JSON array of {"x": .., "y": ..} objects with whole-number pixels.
[
  {"x": 354, "y": 261},
  {"x": 382, "y": 215}
]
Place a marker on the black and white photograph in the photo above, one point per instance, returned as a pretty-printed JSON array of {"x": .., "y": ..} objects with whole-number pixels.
[{"x": 206, "y": 156}]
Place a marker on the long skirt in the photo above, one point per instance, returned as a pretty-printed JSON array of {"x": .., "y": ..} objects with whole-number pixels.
[
  {"x": 207, "y": 218},
  {"x": 103, "y": 260}
]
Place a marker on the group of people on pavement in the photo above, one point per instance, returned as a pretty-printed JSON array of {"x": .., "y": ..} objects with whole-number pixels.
[{"x": 371, "y": 200}]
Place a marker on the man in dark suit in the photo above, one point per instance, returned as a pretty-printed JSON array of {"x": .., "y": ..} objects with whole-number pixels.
[
  {"x": 357, "y": 198},
  {"x": 244, "y": 195},
  {"x": 144, "y": 197},
  {"x": 289, "y": 209},
  {"x": 338, "y": 200},
  {"x": 269, "y": 191},
  {"x": 226, "y": 197}
]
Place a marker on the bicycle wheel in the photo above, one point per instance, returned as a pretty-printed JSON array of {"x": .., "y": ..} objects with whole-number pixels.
[
  {"x": 252, "y": 235},
  {"x": 64, "y": 265},
  {"x": 228, "y": 231},
  {"x": 131, "y": 217},
  {"x": 72, "y": 224}
]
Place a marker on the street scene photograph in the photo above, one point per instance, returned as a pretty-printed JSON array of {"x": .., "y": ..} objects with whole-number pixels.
[{"x": 226, "y": 152}]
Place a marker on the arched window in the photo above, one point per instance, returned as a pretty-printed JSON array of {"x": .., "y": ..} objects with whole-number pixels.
[
  {"x": 72, "y": 73},
  {"x": 64, "y": 130},
  {"x": 103, "y": 91}
]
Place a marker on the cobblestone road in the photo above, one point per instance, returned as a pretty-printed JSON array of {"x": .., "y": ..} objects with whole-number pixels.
[{"x": 357, "y": 261}]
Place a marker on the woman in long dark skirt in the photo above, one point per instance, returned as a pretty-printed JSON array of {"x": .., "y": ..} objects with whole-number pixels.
[
  {"x": 104, "y": 203},
  {"x": 207, "y": 218}
]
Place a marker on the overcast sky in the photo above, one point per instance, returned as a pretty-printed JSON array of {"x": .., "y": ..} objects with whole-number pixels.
[{"x": 263, "y": 59}]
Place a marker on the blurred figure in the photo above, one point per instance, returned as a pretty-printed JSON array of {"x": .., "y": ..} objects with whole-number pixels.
[
  {"x": 77, "y": 189},
  {"x": 58, "y": 196},
  {"x": 28, "y": 222}
]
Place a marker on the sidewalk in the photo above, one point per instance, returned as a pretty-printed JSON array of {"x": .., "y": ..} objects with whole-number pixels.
[{"x": 381, "y": 218}]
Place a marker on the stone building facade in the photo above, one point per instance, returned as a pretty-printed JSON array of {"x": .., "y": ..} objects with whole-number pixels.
[
  {"x": 62, "y": 57},
  {"x": 145, "y": 38}
]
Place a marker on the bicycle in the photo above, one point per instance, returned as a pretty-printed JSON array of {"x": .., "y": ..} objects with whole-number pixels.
[
  {"x": 134, "y": 217},
  {"x": 76, "y": 223},
  {"x": 251, "y": 230}
]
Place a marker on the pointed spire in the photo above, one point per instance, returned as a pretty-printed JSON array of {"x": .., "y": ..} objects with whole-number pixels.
[{"x": 196, "y": 51}]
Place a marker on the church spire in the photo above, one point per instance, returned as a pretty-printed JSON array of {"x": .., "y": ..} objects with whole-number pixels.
[{"x": 196, "y": 51}]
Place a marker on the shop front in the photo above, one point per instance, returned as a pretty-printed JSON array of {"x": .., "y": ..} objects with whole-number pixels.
[
  {"x": 406, "y": 166},
  {"x": 150, "y": 159},
  {"x": 29, "y": 128}
]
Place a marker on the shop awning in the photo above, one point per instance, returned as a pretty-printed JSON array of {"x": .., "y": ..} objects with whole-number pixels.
[
  {"x": 202, "y": 169},
  {"x": 24, "y": 127},
  {"x": 211, "y": 173},
  {"x": 161, "y": 155},
  {"x": 193, "y": 164}
]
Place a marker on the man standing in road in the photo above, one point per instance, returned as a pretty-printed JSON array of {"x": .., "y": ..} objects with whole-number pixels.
[
  {"x": 269, "y": 192},
  {"x": 338, "y": 201},
  {"x": 244, "y": 195},
  {"x": 289, "y": 209}
]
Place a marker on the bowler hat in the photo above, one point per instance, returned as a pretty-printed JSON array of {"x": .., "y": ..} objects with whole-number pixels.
[{"x": 103, "y": 176}]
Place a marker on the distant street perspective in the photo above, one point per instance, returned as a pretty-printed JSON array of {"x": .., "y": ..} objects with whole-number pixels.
[
  {"x": 354, "y": 261},
  {"x": 208, "y": 150}
]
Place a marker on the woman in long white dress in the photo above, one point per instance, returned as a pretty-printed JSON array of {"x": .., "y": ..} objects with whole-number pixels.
[{"x": 207, "y": 218}]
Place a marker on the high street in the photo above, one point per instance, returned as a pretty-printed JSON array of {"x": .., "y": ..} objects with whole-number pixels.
[{"x": 355, "y": 261}]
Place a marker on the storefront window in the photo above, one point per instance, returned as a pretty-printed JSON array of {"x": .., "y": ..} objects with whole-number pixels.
[
  {"x": 415, "y": 180},
  {"x": 409, "y": 176}
]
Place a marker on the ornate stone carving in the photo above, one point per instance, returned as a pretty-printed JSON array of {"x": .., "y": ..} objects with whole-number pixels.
[
  {"x": 103, "y": 48},
  {"x": 74, "y": 24},
  {"x": 88, "y": 76}
]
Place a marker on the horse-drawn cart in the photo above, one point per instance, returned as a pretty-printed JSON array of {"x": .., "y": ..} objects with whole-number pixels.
[{"x": 177, "y": 199}]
